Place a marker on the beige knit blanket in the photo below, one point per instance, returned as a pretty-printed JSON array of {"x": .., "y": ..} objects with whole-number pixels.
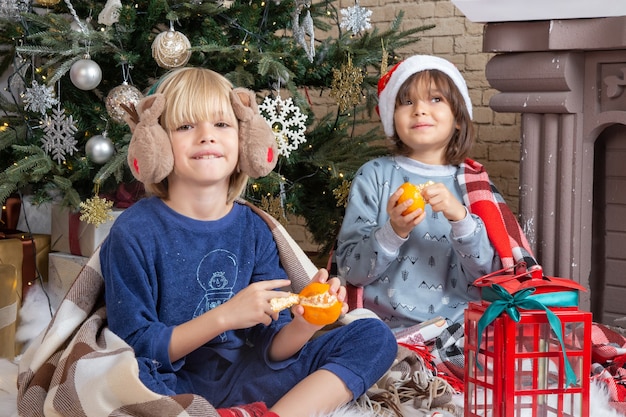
[{"x": 78, "y": 367}]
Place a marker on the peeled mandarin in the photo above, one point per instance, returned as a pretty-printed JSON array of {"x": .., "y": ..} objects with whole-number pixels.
[{"x": 320, "y": 307}]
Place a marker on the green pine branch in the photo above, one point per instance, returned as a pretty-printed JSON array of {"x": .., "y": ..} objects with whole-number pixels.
[{"x": 251, "y": 43}]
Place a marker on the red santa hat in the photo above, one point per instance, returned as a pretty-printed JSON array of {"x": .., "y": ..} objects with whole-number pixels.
[{"x": 390, "y": 83}]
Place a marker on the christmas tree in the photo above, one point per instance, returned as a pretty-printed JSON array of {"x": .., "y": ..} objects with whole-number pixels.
[{"x": 72, "y": 67}]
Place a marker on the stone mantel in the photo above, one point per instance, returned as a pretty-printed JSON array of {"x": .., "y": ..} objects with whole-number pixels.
[
  {"x": 604, "y": 33},
  {"x": 527, "y": 10}
]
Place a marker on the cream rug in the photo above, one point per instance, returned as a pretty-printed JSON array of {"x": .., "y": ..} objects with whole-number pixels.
[
  {"x": 8, "y": 393},
  {"x": 34, "y": 319}
]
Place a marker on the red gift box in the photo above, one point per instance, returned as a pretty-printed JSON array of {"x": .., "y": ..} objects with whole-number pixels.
[
  {"x": 528, "y": 353},
  {"x": 10, "y": 213}
]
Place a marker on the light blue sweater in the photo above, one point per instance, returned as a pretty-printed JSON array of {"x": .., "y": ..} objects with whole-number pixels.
[{"x": 429, "y": 274}]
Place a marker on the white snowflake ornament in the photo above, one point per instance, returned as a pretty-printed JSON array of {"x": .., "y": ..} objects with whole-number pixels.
[
  {"x": 356, "y": 19},
  {"x": 39, "y": 98},
  {"x": 59, "y": 138},
  {"x": 287, "y": 122}
]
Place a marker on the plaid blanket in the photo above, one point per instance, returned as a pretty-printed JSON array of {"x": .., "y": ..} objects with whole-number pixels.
[
  {"x": 608, "y": 356},
  {"x": 483, "y": 199},
  {"x": 78, "y": 367}
]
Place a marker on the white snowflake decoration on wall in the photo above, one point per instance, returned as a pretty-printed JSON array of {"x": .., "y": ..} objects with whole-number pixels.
[
  {"x": 356, "y": 19},
  {"x": 39, "y": 98},
  {"x": 59, "y": 138},
  {"x": 287, "y": 122}
]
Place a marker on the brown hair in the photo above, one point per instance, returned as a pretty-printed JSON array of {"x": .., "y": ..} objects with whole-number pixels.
[
  {"x": 193, "y": 94},
  {"x": 463, "y": 138}
]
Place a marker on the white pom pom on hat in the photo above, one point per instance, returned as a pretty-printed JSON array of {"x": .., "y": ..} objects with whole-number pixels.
[{"x": 390, "y": 83}]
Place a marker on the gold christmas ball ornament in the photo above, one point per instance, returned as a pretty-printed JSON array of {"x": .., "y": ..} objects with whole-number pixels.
[
  {"x": 123, "y": 94},
  {"x": 170, "y": 49},
  {"x": 47, "y": 3}
]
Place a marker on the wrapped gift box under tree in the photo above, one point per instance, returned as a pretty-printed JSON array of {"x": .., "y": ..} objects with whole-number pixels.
[
  {"x": 74, "y": 236},
  {"x": 10, "y": 213},
  {"x": 29, "y": 254},
  {"x": 23, "y": 261},
  {"x": 527, "y": 348},
  {"x": 9, "y": 304}
]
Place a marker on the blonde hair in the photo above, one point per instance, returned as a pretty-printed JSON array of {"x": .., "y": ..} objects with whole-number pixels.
[
  {"x": 463, "y": 139},
  {"x": 194, "y": 94}
]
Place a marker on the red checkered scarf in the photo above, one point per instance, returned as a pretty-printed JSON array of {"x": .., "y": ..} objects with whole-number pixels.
[{"x": 483, "y": 199}]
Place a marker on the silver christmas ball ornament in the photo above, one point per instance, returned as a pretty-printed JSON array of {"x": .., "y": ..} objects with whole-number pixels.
[
  {"x": 170, "y": 49},
  {"x": 123, "y": 94},
  {"x": 85, "y": 74},
  {"x": 99, "y": 148}
]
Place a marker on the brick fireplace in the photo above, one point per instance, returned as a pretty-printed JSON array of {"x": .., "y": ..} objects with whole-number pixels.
[{"x": 567, "y": 78}]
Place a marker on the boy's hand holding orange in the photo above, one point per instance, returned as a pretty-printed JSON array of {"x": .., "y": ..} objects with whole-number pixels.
[
  {"x": 413, "y": 192},
  {"x": 320, "y": 307}
]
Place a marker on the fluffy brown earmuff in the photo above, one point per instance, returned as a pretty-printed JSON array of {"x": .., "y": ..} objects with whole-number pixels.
[
  {"x": 150, "y": 154},
  {"x": 258, "y": 150}
]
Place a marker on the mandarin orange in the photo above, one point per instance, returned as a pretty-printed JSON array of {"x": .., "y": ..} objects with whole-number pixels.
[
  {"x": 412, "y": 192},
  {"x": 320, "y": 307}
]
